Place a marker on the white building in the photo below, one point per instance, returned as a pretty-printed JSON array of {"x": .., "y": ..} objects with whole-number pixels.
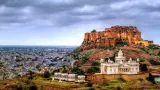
[
  {"x": 68, "y": 77},
  {"x": 120, "y": 66}
]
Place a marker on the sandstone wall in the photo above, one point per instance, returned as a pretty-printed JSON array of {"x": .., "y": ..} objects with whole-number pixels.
[{"x": 98, "y": 78}]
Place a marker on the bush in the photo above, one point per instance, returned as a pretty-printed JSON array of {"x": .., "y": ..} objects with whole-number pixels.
[
  {"x": 26, "y": 81},
  {"x": 105, "y": 83},
  {"x": 153, "y": 47},
  {"x": 122, "y": 79},
  {"x": 93, "y": 70},
  {"x": 120, "y": 44},
  {"x": 142, "y": 59},
  {"x": 145, "y": 50},
  {"x": 19, "y": 87},
  {"x": 95, "y": 64},
  {"x": 78, "y": 71},
  {"x": 84, "y": 59},
  {"x": 33, "y": 87},
  {"x": 41, "y": 88},
  {"x": 151, "y": 78},
  {"x": 91, "y": 89},
  {"x": 158, "y": 53},
  {"x": 140, "y": 79},
  {"x": 143, "y": 67},
  {"x": 89, "y": 84},
  {"x": 46, "y": 74},
  {"x": 153, "y": 62},
  {"x": 94, "y": 30},
  {"x": 119, "y": 88}
]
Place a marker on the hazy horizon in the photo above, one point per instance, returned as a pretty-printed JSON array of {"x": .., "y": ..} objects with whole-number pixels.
[{"x": 64, "y": 22}]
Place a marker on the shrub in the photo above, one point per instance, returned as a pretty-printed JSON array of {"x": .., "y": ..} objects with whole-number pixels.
[
  {"x": 33, "y": 87},
  {"x": 122, "y": 79},
  {"x": 143, "y": 67},
  {"x": 153, "y": 62},
  {"x": 89, "y": 84},
  {"x": 142, "y": 59},
  {"x": 19, "y": 87},
  {"x": 41, "y": 88},
  {"x": 78, "y": 71},
  {"x": 26, "y": 81},
  {"x": 91, "y": 89},
  {"x": 120, "y": 44},
  {"x": 151, "y": 78},
  {"x": 93, "y": 70},
  {"x": 145, "y": 50},
  {"x": 84, "y": 59},
  {"x": 158, "y": 53},
  {"x": 119, "y": 88},
  {"x": 140, "y": 79},
  {"x": 94, "y": 30},
  {"x": 153, "y": 47},
  {"x": 46, "y": 74},
  {"x": 95, "y": 64},
  {"x": 105, "y": 83},
  {"x": 30, "y": 75}
]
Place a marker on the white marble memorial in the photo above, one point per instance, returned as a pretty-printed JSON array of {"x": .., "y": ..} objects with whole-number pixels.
[{"x": 120, "y": 66}]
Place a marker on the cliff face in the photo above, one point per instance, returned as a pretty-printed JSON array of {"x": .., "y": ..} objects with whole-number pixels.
[{"x": 112, "y": 36}]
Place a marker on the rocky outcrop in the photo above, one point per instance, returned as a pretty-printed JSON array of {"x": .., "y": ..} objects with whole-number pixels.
[{"x": 111, "y": 37}]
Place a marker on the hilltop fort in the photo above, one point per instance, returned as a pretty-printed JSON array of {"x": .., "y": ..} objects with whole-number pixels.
[{"x": 113, "y": 36}]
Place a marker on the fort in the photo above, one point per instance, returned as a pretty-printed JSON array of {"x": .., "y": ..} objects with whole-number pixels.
[{"x": 113, "y": 36}]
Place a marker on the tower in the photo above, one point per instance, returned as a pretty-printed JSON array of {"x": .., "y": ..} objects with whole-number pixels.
[{"x": 120, "y": 59}]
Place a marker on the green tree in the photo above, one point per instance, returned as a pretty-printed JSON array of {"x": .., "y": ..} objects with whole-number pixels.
[
  {"x": 30, "y": 75},
  {"x": 142, "y": 59},
  {"x": 143, "y": 68},
  {"x": 96, "y": 64},
  {"x": 158, "y": 53},
  {"x": 46, "y": 74},
  {"x": 154, "y": 62},
  {"x": 94, "y": 30},
  {"x": 84, "y": 59},
  {"x": 78, "y": 71},
  {"x": 93, "y": 70},
  {"x": 151, "y": 78},
  {"x": 33, "y": 87}
]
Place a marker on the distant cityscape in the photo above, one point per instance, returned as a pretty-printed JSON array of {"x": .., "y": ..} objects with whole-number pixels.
[{"x": 19, "y": 60}]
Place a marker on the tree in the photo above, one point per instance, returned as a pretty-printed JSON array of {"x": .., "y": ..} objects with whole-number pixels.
[
  {"x": 33, "y": 87},
  {"x": 94, "y": 30},
  {"x": 121, "y": 43},
  {"x": 93, "y": 70},
  {"x": 143, "y": 67},
  {"x": 158, "y": 53},
  {"x": 96, "y": 64},
  {"x": 46, "y": 74},
  {"x": 84, "y": 59},
  {"x": 151, "y": 78},
  {"x": 78, "y": 71},
  {"x": 153, "y": 62},
  {"x": 142, "y": 59},
  {"x": 30, "y": 75}
]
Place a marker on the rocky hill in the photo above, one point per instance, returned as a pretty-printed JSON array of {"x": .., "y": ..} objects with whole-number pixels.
[
  {"x": 104, "y": 45},
  {"x": 112, "y": 37}
]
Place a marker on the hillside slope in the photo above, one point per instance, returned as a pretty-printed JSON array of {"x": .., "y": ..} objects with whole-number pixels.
[{"x": 148, "y": 55}]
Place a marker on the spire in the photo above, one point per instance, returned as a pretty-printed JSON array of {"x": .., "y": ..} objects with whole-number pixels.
[
  {"x": 102, "y": 60},
  {"x": 120, "y": 53},
  {"x": 130, "y": 59},
  {"x": 138, "y": 60}
]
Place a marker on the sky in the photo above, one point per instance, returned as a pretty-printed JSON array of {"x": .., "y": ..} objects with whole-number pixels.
[{"x": 64, "y": 22}]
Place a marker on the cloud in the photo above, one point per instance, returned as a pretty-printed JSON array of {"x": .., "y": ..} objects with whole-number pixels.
[{"x": 39, "y": 16}]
